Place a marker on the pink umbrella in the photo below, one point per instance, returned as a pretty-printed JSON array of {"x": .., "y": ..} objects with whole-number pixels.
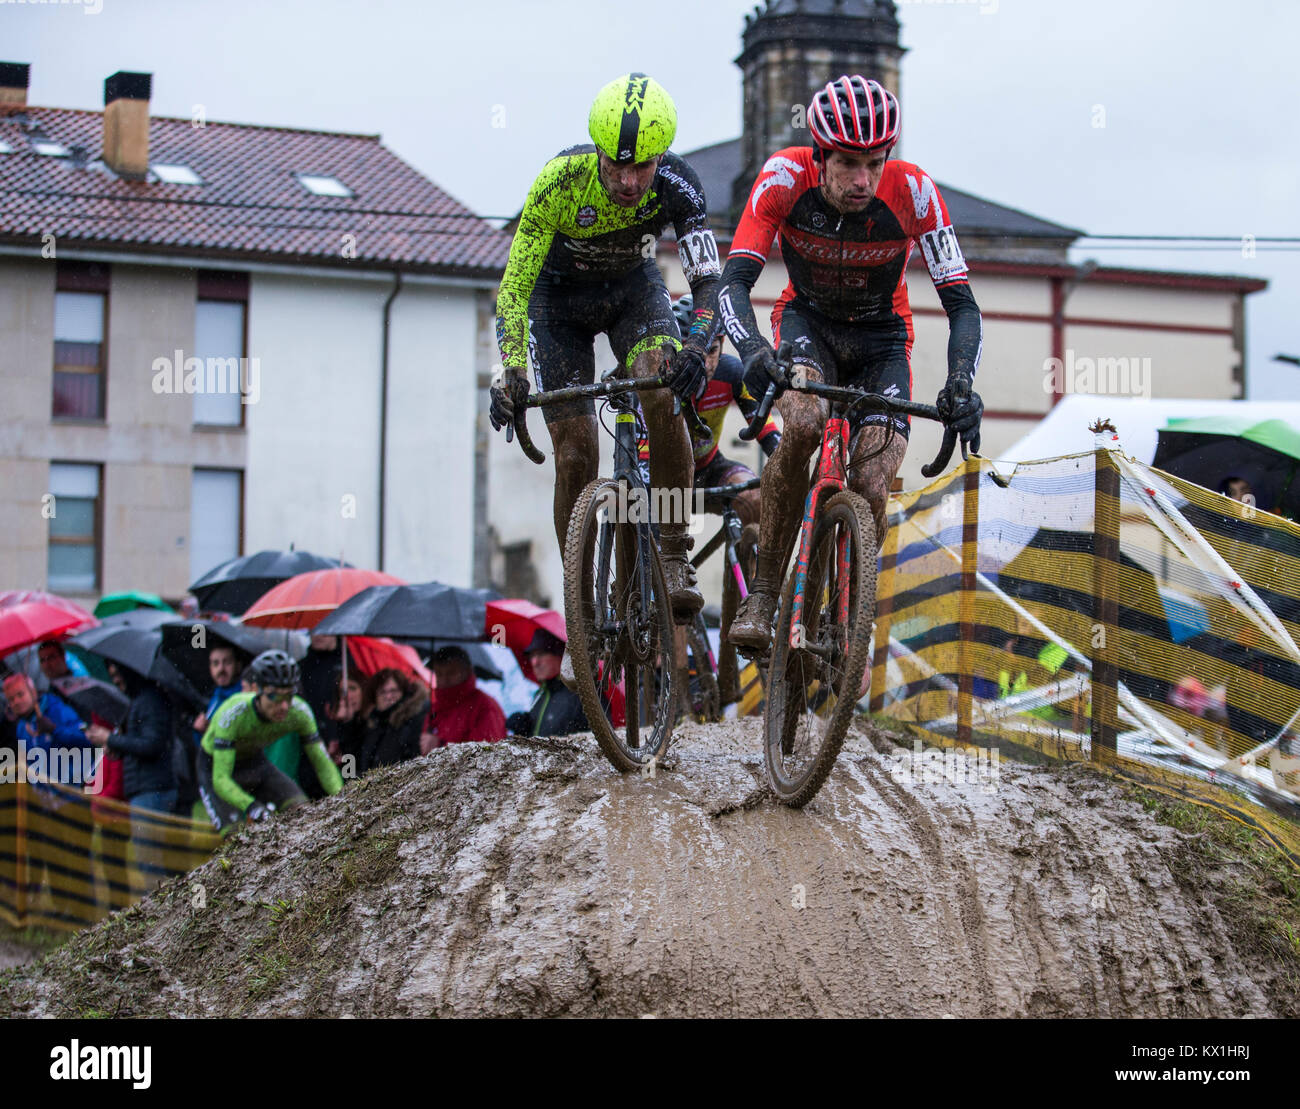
[{"x": 27, "y": 622}]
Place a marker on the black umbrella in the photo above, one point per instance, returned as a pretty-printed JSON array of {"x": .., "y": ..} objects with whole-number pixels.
[
  {"x": 91, "y": 696},
  {"x": 235, "y": 585},
  {"x": 186, "y": 645},
  {"x": 425, "y": 611},
  {"x": 132, "y": 647},
  {"x": 131, "y": 644}
]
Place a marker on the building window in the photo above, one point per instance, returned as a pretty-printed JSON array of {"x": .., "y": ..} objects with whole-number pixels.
[
  {"x": 73, "y": 565},
  {"x": 216, "y": 519},
  {"x": 79, "y": 355},
  {"x": 219, "y": 345}
]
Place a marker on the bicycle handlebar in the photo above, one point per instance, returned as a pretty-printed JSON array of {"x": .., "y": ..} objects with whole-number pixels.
[
  {"x": 519, "y": 426},
  {"x": 727, "y": 491},
  {"x": 849, "y": 395}
]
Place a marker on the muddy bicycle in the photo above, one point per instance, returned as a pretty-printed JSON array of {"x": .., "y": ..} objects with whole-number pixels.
[
  {"x": 617, "y": 611},
  {"x": 821, "y": 641}
]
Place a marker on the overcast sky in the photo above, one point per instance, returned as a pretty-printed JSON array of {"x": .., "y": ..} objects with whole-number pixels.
[{"x": 999, "y": 98}]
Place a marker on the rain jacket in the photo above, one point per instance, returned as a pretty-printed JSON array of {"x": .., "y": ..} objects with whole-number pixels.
[{"x": 465, "y": 714}]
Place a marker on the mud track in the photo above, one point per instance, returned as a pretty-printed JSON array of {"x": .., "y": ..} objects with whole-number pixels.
[{"x": 527, "y": 878}]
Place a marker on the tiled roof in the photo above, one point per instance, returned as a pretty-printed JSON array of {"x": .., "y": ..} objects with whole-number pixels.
[
  {"x": 250, "y": 206},
  {"x": 719, "y": 165}
]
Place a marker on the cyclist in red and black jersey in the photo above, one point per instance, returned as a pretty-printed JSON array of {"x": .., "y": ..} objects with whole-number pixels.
[{"x": 848, "y": 220}]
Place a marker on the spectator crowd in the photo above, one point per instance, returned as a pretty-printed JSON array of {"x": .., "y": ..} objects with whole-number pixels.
[{"x": 366, "y": 720}]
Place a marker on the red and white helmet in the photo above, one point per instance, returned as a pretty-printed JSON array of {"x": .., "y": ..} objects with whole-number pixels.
[{"x": 852, "y": 113}]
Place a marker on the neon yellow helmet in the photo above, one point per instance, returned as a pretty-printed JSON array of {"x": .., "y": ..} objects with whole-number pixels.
[{"x": 633, "y": 119}]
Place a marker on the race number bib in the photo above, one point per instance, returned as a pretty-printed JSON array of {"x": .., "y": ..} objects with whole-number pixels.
[
  {"x": 698, "y": 251},
  {"x": 942, "y": 254}
]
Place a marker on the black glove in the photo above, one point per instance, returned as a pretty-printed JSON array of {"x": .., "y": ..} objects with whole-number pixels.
[
  {"x": 961, "y": 409},
  {"x": 258, "y": 811},
  {"x": 44, "y": 725},
  {"x": 520, "y": 723},
  {"x": 684, "y": 372},
  {"x": 762, "y": 364},
  {"x": 770, "y": 444},
  {"x": 510, "y": 389}
]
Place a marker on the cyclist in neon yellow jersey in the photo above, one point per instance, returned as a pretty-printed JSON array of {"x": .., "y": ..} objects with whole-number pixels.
[
  {"x": 582, "y": 263},
  {"x": 236, "y": 781}
]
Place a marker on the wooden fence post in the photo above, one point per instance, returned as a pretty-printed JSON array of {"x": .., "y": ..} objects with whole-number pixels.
[
  {"x": 1105, "y": 601},
  {"x": 970, "y": 531}
]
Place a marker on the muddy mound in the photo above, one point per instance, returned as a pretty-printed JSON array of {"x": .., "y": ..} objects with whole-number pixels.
[{"x": 527, "y": 878}]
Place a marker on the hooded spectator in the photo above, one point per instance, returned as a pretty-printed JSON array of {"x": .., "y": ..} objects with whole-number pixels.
[
  {"x": 461, "y": 712},
  {"x": 556, "y": 710},
  {"x": 393, "y": 707},
  {"x": 144, "y": 742}
]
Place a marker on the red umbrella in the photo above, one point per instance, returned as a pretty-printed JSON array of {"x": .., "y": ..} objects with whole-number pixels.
[
  {"x": 513, "y": 623},
  {"x": 372, "y": 655},
  {"x": 27, "y": 622},
  {"x": 305, "y": 600}
]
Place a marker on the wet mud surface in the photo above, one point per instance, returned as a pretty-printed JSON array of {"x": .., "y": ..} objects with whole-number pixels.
[{"x": 528, "y": 879}]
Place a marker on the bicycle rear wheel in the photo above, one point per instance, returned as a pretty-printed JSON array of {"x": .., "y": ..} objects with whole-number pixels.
[
  {"x": 620, "y": 623},
  {"x": 814, "y": 687}
]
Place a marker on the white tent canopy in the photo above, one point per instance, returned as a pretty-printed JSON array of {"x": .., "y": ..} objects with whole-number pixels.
[{"x": 1064, "y": 430}]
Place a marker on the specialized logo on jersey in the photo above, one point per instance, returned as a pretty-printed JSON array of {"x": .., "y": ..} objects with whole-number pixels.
[
  {"x": 942, "y": 254},
  {"x": 833, "y": 250},
  {"x": 698, "y": 251},
  {"x": 780, "y": 171},
  {"x": 586, "y": 216}
]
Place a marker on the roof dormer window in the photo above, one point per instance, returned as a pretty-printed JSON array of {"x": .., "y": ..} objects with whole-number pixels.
[
  {"x": 322, "y": 185},
  {"x": 170, "y": 174}
]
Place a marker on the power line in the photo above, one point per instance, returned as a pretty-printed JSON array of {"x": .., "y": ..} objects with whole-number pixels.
[{"x": 1200, "y": 238}]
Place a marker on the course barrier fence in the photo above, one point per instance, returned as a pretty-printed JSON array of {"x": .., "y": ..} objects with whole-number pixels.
[
  {"x": 1092, "y": 608},
  {"x": 68, "y": 858}
]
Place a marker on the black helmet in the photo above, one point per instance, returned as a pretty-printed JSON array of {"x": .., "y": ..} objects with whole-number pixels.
[{"x": 274, "y": 668}]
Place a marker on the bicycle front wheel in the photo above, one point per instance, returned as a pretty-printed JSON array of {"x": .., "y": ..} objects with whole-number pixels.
[
  {"x": 620, "y": 627},
  {"x": 815, "y": 677}
]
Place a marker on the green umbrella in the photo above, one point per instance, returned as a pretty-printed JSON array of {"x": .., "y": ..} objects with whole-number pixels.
[
  {"x": 1209, "y": 450},
  {"x": 112, "y": 603},
  {"x": 1278, "y": 435}
]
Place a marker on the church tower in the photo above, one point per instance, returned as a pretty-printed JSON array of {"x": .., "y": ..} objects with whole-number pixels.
[{"x": 791, "y": 49}]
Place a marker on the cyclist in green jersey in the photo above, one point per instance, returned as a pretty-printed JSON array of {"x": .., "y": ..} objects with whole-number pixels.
[
  {"x": 582, "y": 263},
  {"x": 236, "y": 780}
]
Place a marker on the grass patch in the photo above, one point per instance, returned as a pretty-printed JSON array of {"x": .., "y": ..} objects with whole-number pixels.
[
  {"x": 39, "y": 940},
  {"x": 1258, "y": 894}
]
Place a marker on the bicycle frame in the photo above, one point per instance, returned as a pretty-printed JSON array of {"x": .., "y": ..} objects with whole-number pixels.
[{"x": 832, "y": 476}]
